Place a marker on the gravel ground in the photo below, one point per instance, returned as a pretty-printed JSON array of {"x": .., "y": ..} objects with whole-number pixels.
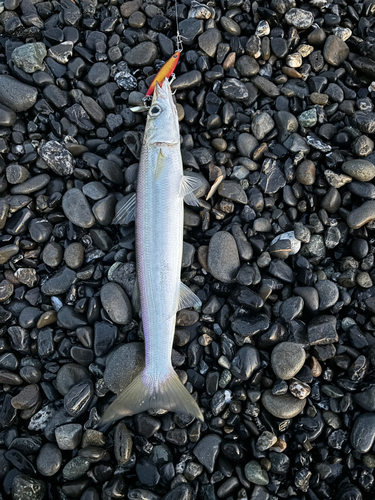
[{"x": 275, "y": 101}]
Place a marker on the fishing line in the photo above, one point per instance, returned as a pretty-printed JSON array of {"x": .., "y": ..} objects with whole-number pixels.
[{"x": 178, "y": 36}]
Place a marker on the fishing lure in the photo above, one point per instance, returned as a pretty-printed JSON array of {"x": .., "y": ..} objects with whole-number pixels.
[{"x": 165, "y": 71}]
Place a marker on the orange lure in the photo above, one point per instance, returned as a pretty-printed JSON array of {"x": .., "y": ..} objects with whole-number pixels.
[{"x": 164, "y": 72}]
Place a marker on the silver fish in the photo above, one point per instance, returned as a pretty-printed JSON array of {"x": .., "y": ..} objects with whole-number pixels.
[{"x": 161, "y": 190}]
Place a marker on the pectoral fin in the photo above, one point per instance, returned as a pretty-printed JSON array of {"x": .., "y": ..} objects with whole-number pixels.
[
  {"x": 188, "y": 299},
  {"x": 189, "y": 184},
  {"x": 126, "y": 213},
  {"x": 160, "y": 164}
]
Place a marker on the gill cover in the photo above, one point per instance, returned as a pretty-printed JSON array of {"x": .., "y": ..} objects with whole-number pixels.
[{"x": 162, "y": 122}]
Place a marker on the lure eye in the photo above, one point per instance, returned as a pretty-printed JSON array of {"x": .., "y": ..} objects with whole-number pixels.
[{"x": 155, "y": 111}]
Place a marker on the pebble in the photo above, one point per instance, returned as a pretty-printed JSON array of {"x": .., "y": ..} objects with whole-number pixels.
[
  {"x": 77, "y": 209},
  {"x": 58, "y": 159},
  {"x": 335, "y": 50},
  {"x": 207, "y": 450},
  {"x": 299, "y": 18},
  {"x": 68, "y": 436},
  {"x": 361, "y": 170},
  {"x": 49, "y": 460},
  {"x": 142, "y": 55},
  {"x": 116, "y": 303},
  {"x": 16, "y": 95},
  {"x": 25, "y": 487},
  {"x": 29, "y": 57},
  {"x": 255, "y": 474},
  {"x": 361, "y": 215},
  {"x": 284, "y": 406},
  {"x": 123, "y": 365},
  {"x": 287, "y": 359},
  {"x": 363, "y": 433},
  {"x": 223, "y": 259}
]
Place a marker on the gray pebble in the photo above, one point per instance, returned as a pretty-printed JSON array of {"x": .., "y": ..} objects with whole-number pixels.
[
  {"x": 223, "y": 259},
  {"x": 16, "y": 95},
  {"x": 285, "y": 406},
  {"x": 77, "y": 209},
  {"x": 361, "y": 215},
  {"x": 68, "y": 436},
  {"x": 49, "y": 460},
  {"x": 123, "y": 364},
  {"x": 287, "y": 359},
  {"x": 29, "y": 57},
  {"x": 116, "y": 303}
]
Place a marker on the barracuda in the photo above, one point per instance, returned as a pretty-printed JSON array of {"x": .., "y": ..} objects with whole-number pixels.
[{"x": 162, "y": 189}]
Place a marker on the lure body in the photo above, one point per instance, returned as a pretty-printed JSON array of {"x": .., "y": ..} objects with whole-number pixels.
[
  {"x": 161, "y": 190},
  {"x": 164, "y": 72}
]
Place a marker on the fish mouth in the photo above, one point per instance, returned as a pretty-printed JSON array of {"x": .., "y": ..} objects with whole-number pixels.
[{"x": 162, "y": 91}]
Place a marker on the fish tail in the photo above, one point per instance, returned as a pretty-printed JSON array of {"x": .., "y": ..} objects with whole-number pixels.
[{"x": 145, "y": 393}]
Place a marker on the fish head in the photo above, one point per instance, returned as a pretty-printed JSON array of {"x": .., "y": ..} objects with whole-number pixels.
[{"x": 162, "y": 121}]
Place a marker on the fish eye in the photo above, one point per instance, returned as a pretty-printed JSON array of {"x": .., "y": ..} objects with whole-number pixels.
[{"x": 155, "y": 111}]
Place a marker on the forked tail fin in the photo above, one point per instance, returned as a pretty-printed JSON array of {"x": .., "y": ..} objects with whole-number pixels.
[{"x": 145, "y": 393}]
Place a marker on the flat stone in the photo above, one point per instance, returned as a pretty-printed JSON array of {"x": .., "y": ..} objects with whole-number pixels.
[
  {"x": 143, "y": 54},
  {"x": 116, "y": 303},
  {"x": 285, "y": 406},
  {"x": 60, "y": 282},
  {"x": 328, "y": 294},
  {"x": 361, "y": 170},
  {"x": 16, "y": 95},
  {"x": 255, "y": 474},
  {"x": 207, "y": 450},
  {"x": 77, "y": 209},
  {"x": 363, "y": 433},
  {"x": 287, "y": 359},
  {"x": 223, "y": 259},
  {"x": 322, "y": 330},
  {"x": 123, "y": 364},
  {"x": 361, "y": 215}
]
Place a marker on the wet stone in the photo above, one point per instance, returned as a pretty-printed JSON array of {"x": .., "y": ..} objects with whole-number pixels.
[
  {"x": 116, "y": 303},
  {"x": 223, "y": 260},
  {"x": 335, "y": 50},
  {"x": 363, "y": 433},
  {"x": 123, "y": 365},
  {"x": 25, "y": 487},
  {"x": 361, "y": 170},
  {"x": 284, "y": 406},
  {"x": 58, "y": 158},
  {"x": 77, "y": 208},
  {"x": 49, "y": 460},
  {"x": 207, "y": 450},
  {"x": 68, "y": 436},
  {"x": 29, "y": 57},
  {"x": 287, "y": 360}
]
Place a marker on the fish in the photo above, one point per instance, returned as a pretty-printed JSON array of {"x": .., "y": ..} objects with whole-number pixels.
[
  {"x": 164, "y": 72},
  {"x": 162, "y": 188}
]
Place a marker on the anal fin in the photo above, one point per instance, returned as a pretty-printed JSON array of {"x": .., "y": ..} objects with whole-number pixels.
[
  {"x": 189, "y": 184},
  {"x": 188, "y": 299}
]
